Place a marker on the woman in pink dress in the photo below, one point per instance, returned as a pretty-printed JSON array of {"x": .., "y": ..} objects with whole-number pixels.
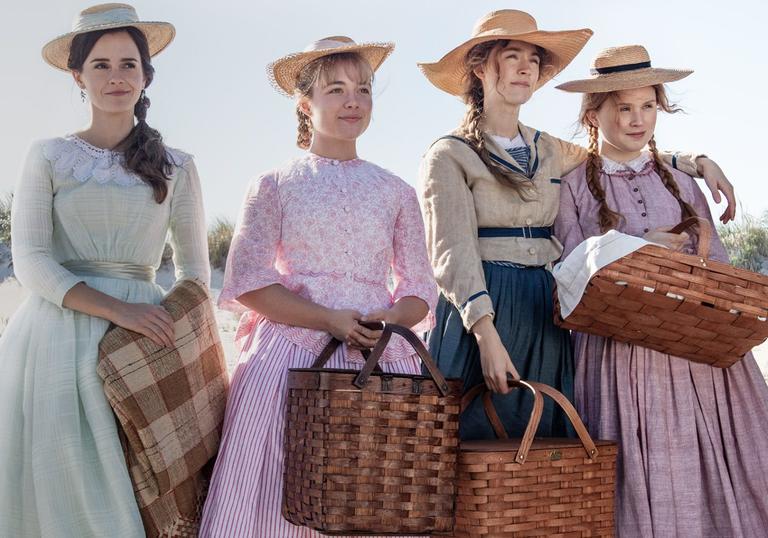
[
  {"x": 316, "y": 243},
  {"x": 693, "y": 439}
]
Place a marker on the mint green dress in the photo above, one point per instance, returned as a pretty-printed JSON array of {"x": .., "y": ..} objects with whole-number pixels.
[{"x": 62, "y": 466}]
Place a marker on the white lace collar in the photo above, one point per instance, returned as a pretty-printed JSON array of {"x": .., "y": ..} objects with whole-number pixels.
[
  {"x": 73, "y": 155},
  {"x": 635, "y": 165}
]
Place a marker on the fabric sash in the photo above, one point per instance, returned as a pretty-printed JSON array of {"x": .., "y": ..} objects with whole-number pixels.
[{"x": 128, "y": 271}]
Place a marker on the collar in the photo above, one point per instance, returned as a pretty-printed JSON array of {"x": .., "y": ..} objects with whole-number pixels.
[
  {"x": 502, "y": 158},
  {"x": 635, "y": 165}
]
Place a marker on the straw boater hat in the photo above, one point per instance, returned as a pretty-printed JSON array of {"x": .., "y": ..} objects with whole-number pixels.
[
  {"x": 284, "y": 72},
  {"x": 104, "y": 17},
  {"x": 448, "y": 74},
  {"x": 623, "y": 68}
]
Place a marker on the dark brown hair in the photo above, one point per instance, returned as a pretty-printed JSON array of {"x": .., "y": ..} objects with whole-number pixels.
[
  {"x": 471, "y": 128},
  {"x": 609, "y": 218},
  {"x": 319, "y": 70},
  {"x": 143, "y": 149}
]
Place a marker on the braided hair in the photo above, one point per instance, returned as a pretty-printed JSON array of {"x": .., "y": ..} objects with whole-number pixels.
[
  {"x": 610, "y": 219},
  {"x": 143, "y": 149},
  {"x": 686, "y": 209},
  {"x": 318, "y": 70},
  {"x": 471, "y": 127}
]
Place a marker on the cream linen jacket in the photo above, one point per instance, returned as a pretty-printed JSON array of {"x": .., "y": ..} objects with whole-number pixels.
[{"x": 459, "y": 194}]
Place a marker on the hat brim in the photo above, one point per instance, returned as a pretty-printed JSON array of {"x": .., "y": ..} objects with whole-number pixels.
[
  {"x": 283, "y": 73},
  {"x": 158, "y": 34},
  {"x": 449, "y": 73},
  {"x": 625, "y": 80}
]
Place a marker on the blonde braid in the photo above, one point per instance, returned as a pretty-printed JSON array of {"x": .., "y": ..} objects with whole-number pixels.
[
  {"x": 304, "y": 137},
  {"x": 669, "y": 181},
  {"x": 609, "y": 219}
]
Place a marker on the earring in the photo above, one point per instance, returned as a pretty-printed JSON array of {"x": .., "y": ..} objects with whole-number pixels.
[
  {"x": 143, "y": 97},
  {"x": 82, "y": 95}
]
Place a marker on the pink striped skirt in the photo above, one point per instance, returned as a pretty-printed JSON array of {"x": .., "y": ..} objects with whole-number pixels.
[{"x": 245, "y": 495}]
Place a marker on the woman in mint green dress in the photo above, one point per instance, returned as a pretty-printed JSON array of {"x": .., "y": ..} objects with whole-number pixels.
[{"x": 90, "y": 218}]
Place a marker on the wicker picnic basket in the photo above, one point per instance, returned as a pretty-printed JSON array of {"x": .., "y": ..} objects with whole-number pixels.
[
  {"x": 535, "y": 487},
  {"x": 682, "y": 304},
  {"x": 368, "y": 452}
]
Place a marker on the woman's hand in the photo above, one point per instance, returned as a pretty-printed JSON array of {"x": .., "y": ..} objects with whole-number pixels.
[
  {"x": 715, "y": 179},
  {"x": 366, "y": 337},
  {"x": 662, "y": 236},
  {"x": 345, "y": 325},
  {"x": 153, "y": 321},
  {"x": 494, "y": 358},
  {"x": 342, "y": 323}
]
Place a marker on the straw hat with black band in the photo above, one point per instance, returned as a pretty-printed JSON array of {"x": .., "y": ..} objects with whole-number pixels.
[
  {"x": 106, "y": 17},
  {"x": 449, "y": 73},
  {"x": 623, "y": 68},
  {"x": 284, "y": 72}
]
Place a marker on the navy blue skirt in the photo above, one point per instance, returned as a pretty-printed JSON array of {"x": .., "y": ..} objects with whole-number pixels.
[{"x": 541, "y": 351}]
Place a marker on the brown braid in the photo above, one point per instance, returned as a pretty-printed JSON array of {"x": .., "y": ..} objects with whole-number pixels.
[
  {"x": 593, "y": 101},
  {"x": 318, "y": 71},
  {"x": 471, "y": 128},
  {"x": 669, "y": 182},
  {"x": 609, "y": 219},
  {"x": 143, "y": 148}
]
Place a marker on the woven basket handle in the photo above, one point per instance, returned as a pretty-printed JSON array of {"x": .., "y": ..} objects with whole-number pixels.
[
  {"x": 537, "y": 389},
  {"x": 373, "y": 360},
  {"x": 705, "y": 233}
]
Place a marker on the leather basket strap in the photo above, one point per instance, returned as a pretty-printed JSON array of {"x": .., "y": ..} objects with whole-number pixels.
[
  {"x": 537, "y": 389},
  {"x": 390, "y": 329},
  {"x": 573, "y": 416},
  {"x": 493, "y": 416},
  {"x": 326, "y": 353}
]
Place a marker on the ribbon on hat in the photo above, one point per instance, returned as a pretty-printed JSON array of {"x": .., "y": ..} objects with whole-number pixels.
[
  {"x": 619, "y": 68},
  {"x": 121, "y": 15}
]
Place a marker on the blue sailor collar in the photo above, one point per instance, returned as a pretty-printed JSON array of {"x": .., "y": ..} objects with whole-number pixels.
[{"x": 502, "y": 158}]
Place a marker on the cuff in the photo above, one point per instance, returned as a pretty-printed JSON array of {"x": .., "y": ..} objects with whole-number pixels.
[
  {"x": 62, "y": 288},
  {"x": 233, "y": 289},
  {"x": 686, "y": 162},
  {"x": 476, "y": 307}
]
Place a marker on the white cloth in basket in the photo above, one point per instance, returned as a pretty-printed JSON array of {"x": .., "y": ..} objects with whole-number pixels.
[{"x": 574, "y": 272}]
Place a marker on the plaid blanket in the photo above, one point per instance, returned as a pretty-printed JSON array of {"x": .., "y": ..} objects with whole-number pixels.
[{"x": 170, "y": 404}]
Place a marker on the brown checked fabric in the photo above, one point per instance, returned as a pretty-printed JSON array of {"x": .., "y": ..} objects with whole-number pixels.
[{"x": 170, "y": 404}]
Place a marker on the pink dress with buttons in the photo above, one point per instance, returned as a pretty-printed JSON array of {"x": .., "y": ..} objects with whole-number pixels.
[{"x": 343, "y": 234}]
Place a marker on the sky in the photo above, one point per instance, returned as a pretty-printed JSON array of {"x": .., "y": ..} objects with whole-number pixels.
[{"x": 211, "y": 96}]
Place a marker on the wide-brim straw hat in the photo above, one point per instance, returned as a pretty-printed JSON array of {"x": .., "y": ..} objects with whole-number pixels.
[
  {"x": 623, "y": 68},
  {"x": 284, "y": 72},
  {"x": 104, "y": 17},
  {"x": 449, "y": 73}
]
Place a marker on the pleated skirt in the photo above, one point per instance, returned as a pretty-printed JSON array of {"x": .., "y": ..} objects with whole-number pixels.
[
  {"x": 693, "y": 439},
  {"x": 541, "y": 351}
]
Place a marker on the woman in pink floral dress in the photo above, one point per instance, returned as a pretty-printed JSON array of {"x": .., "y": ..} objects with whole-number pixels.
[{"x": 316, "y": 244}]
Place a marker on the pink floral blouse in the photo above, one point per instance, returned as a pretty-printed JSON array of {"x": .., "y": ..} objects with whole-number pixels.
[{"x": 333, "y": 232}]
